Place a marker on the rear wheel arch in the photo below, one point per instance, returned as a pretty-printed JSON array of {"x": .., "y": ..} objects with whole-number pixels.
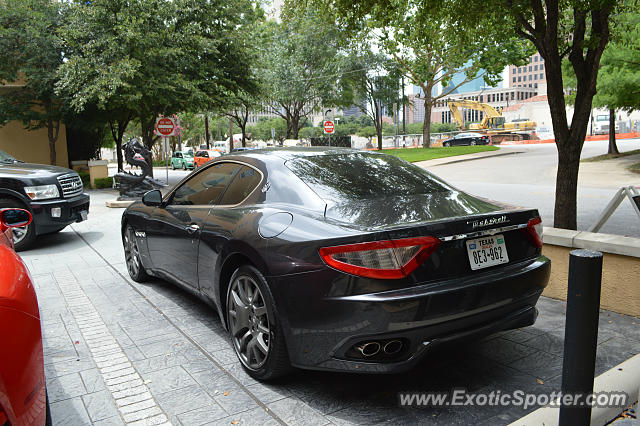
[{"x": 230, "y": 264}]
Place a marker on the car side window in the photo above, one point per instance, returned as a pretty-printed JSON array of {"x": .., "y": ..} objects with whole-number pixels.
[
  {"x": 205, "y": 187},
  {"x": 205, "y": 154},
  {"x": 245, "y": 181}
]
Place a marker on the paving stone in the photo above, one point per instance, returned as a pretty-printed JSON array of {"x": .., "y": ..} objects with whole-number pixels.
[
  {"x": 65, "y": 387},
  {"x": 235, "y": 400},
  {"x": 92, "y": 380},
  {"x": 182, "y": 400},
  {"x": 69, "y": 412},
  {"x": 257, "y": 416},
  {"x": 208, "y": 414},
  {"x": 100, "y": 405},
  {"x": 167, "y": 380}
]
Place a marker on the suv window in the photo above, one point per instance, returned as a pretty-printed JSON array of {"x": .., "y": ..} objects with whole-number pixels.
[
  {"x": 205, "y": 187},
  {"x": 247, "y": 178}
]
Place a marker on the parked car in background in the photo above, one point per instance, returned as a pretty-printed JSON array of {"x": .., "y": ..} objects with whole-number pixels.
[
  {"x": 338, "y": 259},
  {"x": 181, "y": 160},
  {"x": 601, "y": 124},
  {"x": 241, "y": 149},
  {"x": 53, "y": 195},
  {"x": 467, "y": 139},
  {"x": 221, "y": 146},
  {"x": 204, "y": 156},
  {"x": 23, "y": 398}
]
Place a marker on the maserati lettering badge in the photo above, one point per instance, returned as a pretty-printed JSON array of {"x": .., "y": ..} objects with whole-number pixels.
[
  {"x": 141, "y": 234},
  {"x": 488, "y": 222}
]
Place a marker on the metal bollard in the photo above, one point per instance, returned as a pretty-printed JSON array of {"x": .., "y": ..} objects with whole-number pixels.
[{"x": 581, "y": 333}]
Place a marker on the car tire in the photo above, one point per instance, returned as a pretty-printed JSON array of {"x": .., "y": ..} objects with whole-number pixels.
[
  {"x": 132, "y": 256},
  {"x": 173, "y": 166},
  {"x": 184, "y": 166},
  {"x": 473, "y": 143},
  {"x": 25, "y": 236},
  {"x": 255, "y": 316},
  {"x": 447, "y": 144}
]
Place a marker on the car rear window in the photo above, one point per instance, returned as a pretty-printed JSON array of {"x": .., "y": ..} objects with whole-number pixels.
[{"x": 363, "y": 175}]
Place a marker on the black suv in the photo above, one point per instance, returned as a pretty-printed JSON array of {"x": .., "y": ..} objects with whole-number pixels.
[{"x": 54, "y": 196}]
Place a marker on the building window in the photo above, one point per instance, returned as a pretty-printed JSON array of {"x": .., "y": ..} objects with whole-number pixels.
[
  {"x": 501, "y": 97},
  {"x": 535, "y": 58},
  {"x": 535, "y": 67},
  {"x": 529, "y": 68},
  {"x": 513, "y": 95},
  {"x": 541, "y": 76},
  {"x": 529, "y": 77},
  {"x": 535, "y": 85},
  {"x": 535, "y": 76},
  {"x": 519, "y": 78},
  {"x": 541, "y": 66}
]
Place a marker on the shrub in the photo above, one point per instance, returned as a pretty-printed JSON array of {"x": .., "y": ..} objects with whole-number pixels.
[
  {"x": 101, "y": 183},
  {"x": 86, "y": 181}
]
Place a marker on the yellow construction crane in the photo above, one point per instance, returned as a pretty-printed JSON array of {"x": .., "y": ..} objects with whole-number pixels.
[{"x": 493, "y": 121}]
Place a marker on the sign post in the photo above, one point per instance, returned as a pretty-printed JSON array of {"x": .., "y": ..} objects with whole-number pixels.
[
  {"x": 166, "y": 127},
  {"x": 328, "y": 127}
]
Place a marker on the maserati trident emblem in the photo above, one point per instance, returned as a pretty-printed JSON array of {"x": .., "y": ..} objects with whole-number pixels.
[{"x": 488, "y": 222}]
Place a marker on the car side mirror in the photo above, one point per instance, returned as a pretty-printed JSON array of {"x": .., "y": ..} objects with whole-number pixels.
[
  {"x": 14, "y": 218},
  {"x": 152, "y": 198}
]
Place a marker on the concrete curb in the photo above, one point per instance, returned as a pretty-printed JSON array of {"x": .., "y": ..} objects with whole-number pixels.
[
  {"x": 469, "y": 157},
  {"x": 607, "y": 243},
  {"x": 119, "y": 204},
  {"x": 624, "y": 377}
]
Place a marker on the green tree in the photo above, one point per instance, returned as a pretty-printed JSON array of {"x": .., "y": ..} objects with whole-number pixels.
[
  {"x": 373, "y": 84},
  {"x": 301, "y": 66},
  {"x": 262, "y": 129},
  {"x": 618, "y": 84},
  {"x": 578, "y": 31},
  {"x": 154, "y": 57},
  {"x": 32, "y": 52},
  {"x": 428, "y": 43}
]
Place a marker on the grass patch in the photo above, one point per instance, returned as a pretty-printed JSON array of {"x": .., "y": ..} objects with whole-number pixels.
[
  {"x": 635, "y": 168},
  {"x": 422, "y": 154},
  {"x": 102, "y": 183},
  {"x": 610, "y": 156}
]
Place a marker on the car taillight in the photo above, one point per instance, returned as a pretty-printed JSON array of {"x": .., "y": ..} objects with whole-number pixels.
[
  {"x": 534, "y": 230},
  {"x": 389, "y": 259}
]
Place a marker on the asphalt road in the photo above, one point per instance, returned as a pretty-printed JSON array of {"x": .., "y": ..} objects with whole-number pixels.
[{"x": 528, "y": 179}]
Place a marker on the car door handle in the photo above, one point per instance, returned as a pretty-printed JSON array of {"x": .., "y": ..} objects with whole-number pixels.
[{"x": 192, "y": 228}]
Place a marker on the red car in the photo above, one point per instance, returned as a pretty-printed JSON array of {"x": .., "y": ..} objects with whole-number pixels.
[{"x": 23, "y": 398}]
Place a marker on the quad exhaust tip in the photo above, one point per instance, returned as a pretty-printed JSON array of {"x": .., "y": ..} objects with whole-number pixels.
[
  {"x": 393, "y": 347},
  {"x": 369, "y": 349}
]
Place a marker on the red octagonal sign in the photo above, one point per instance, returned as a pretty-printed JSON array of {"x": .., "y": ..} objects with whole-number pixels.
[
  {"x": 328, "y": 126},
  {"x": 165, "y": 126}
]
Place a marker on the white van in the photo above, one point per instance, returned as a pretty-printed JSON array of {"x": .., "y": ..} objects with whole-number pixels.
[{"x": 222, "y": 146}]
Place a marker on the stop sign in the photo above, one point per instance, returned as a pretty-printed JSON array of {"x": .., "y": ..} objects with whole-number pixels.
[
  {"x": 165, "y": 126},
  {"x": 328, "y": 126}
]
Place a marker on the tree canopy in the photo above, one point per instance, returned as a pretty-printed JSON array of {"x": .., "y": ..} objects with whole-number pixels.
[{"x": 32, "y": 52}]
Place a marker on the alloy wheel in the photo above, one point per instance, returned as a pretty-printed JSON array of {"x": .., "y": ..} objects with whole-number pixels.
[
  {"x": 131, "y": 252},
  {"x": 248, "y": 322}
]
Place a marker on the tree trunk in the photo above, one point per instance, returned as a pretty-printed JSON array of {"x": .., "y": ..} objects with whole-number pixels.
[
  {"x": 230, "y": 135},
  {"x": 426, "y": 125},
  {"x": 206, "y": 129},
  {"x": 378, "y": 123},
  {"x": 613, "y": 147},
  {"x": 148, "y": 136},
  {"x": 52, "y": 133},
  {"x": 243, "y": 129},
  {"x": 565, "y": 211}
]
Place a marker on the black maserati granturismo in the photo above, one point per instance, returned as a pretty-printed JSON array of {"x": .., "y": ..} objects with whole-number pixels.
[{"x": 338, "y": 259}]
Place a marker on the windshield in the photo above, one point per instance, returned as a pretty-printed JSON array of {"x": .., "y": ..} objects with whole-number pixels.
[
  {"x": 6, "y": 158},
  {"x": 358, "y": 176},
  {"x": 602, "y": 118}
]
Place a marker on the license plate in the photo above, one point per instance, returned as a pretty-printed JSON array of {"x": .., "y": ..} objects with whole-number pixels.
[
  {"x": 487, "y": 251},
  {"x": 83, "y": 214}
]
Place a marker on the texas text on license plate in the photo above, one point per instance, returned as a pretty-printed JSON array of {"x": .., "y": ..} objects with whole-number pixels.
[{"x": 487, "y": 251}]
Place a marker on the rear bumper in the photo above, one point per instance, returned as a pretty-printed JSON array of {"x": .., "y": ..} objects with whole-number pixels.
[
  {"x": 322, "y": 333},
  {"x": 70, "y": 213}
]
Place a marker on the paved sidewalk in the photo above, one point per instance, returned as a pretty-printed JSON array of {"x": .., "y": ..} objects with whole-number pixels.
[{"x": 118, "y": 352}]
